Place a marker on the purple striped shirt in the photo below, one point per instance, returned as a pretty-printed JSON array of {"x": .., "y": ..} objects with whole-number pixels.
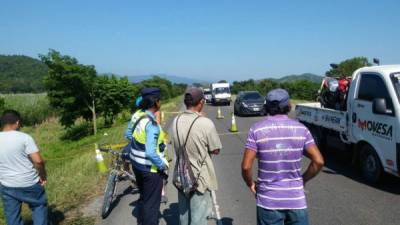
[{"x": 279, "y": 143}]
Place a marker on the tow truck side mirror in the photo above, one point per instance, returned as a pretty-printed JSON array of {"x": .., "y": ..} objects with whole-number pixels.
[{"x": 379, "y": 106}]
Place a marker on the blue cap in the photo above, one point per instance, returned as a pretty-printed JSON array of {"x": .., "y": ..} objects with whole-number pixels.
[
  {"x": 278, "y": 95},
  {"x": 150, "y": 92}
]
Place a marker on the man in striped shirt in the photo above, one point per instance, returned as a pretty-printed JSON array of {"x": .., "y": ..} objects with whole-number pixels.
[{"x": 279, "y": 144}]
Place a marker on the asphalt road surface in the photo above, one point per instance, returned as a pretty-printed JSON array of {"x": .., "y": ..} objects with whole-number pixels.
[{"x": 337, "y": 196}]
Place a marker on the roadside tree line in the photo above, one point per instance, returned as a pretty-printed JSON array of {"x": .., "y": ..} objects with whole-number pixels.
[
  {"x": 78, "y": 91},
  {"x": 302, "y": 89}
]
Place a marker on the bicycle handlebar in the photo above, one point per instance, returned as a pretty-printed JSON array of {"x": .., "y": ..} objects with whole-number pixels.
[{"x": 110, "y": 151}]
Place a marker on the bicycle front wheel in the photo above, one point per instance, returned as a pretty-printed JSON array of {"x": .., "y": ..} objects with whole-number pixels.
[{"x": 109, "y": 194}]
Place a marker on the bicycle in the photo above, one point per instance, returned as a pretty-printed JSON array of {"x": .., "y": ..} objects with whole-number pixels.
[{"x": 117, "y": 173}]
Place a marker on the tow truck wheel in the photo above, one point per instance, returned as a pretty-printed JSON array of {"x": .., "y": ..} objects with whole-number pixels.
[
  {"x": 319, "y": 139},
  {"x": 371, "y": 167}
]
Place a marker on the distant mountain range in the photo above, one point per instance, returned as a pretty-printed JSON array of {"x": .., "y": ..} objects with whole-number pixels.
[
  {"x": 19, "y": 74},
  {"x": 305, "y": 76},
  {"x": 185, "y": 80},
  {"x": 172, "y": 78}
]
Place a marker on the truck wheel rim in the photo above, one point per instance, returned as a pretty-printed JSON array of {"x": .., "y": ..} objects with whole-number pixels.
[{"x": 370, "y": 164}]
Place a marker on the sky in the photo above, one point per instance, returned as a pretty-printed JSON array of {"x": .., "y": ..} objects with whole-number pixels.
[{"x": 208, "y": 39}]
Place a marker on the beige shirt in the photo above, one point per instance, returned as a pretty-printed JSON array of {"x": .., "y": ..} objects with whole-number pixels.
[{"x": 203, "y": 139}]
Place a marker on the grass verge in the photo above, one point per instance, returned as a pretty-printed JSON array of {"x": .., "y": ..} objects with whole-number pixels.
[
  {"x": 298, "y": 101},
  {"x": 73, "y": 179},
  {"x": 34, "y": 108}
]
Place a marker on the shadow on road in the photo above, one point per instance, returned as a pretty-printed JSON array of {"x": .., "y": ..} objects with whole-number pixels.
[
  {"x": 171, "y": 214},
  {"x": 127, "y": 191},
  {"x": 135, "y": 210},
  {"x": 339, "y": 163}
]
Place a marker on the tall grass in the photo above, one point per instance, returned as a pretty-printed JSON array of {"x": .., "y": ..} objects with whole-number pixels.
[
  {"x": 73, "y": 178},
  {"x": 34, "y": 108}
]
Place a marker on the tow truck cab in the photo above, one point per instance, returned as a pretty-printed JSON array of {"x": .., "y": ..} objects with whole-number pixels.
[
  {"x": 374, "y": 117},
  {"x": 370, "y": 126}
]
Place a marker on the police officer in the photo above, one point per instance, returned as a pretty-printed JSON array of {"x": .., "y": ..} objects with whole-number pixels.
[{"x": 147, "y": 156}]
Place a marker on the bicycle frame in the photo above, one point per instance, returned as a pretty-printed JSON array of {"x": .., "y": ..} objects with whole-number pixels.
[
  {"x": 117, "y": 171},
  {"x": 118, "y": 164}
]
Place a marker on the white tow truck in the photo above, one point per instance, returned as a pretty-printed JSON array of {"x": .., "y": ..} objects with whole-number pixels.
[{"x": 370, "y": 125}]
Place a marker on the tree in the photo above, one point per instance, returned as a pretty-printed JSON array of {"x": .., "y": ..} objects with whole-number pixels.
[
  {"x": 71, "y": 88},
  {"x": 164, "y": 85},
  {"x": 347, "y": 67},
  {"x": 265, "y": 85},
  {"x": 113, "y": 95},
  {"x": 247, "y": 85},
  {"x": 298, "y": 89},
  {"x": 2, "y": 104},
  {"x": 178, "y": 89},
  {"x": 197, "y": 85},
  {"x": 301, "y": 89}
]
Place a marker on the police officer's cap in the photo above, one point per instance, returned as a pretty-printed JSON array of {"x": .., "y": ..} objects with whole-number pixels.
[{"x": 150, "y": 92}]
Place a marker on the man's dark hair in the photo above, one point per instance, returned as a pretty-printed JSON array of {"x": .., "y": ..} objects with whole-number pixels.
[
  {"x": 9, "y": 117},
  {"x": 189, "y": 101},
  {"x": 273, "y": 109},
  {"x": 149, "y": 102}
]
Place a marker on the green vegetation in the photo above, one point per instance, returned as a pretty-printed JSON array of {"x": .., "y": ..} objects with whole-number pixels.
[
  {"x": 72, "y": 174},
  {"x": 302, "y": 89},
  {"x": 304, "y": 86},
  {"x": 34, "y": 108},
  {"x": 299, "y": 89},
  {"x": 2, "y": 103},
  {"x": 348, "y": 66},
  {"x": 304, "y": 76},
  {"x": 71, "y": 88},
  {"x": 168, "y": 90},
  {"x": 21, "y": 74},
  {"x": 295, "y": 102},
  {"x": 112, "y": 96},
  {"x": 76, "y": 91}
]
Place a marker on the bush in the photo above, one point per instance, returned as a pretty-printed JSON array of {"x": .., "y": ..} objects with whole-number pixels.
[
  {"x": 34, "y": 108},
  {"x": 77, "y": 132}
]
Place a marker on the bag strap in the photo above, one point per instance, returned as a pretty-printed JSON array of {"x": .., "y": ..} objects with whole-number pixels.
[
  {"x": 201, "y": 166},
  {"x": 190, "y": 128},
  {"x": 187, "y": 137}
]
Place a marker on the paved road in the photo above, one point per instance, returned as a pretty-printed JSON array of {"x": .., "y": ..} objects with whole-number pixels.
[{"x": 338, "y": 196}]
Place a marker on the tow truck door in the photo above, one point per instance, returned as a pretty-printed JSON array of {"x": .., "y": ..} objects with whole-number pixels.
[{"x": 376, "y": 129}]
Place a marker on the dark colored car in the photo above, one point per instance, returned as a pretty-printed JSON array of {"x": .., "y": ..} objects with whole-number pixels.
[{"x": 249, "y": 103}]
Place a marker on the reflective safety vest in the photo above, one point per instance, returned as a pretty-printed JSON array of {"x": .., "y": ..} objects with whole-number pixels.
[{"x": 138, "y": 150}]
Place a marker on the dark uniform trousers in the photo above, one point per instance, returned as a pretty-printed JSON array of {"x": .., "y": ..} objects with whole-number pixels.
[{"x": 150, "y": 186}]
